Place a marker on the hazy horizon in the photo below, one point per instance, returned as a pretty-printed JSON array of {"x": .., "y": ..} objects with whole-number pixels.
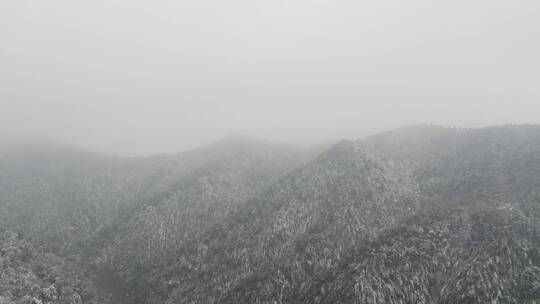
[{"x": 142, "y": 78}]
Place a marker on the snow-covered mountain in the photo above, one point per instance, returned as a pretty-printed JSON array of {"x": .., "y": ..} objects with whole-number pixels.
[{"x": 422, "y": 214}]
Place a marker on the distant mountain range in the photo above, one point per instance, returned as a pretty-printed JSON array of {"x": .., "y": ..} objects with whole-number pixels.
[{"x": 423, "y": 214}]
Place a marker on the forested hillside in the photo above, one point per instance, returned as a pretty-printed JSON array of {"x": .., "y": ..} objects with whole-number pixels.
[
  {"x": 62, "y": 196},
  {"x": 149, "y": 241},
  {"x": 423, "y": 214},
  {"x": 32, "y": 275}
]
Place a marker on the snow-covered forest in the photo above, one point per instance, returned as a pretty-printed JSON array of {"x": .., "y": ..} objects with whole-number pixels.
[{"x": 423, "y": 214}]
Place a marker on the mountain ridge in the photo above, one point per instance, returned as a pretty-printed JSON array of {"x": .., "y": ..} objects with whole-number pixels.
[{"x": 248, "y": 221}]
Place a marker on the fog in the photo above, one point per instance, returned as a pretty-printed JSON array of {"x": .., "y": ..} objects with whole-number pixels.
[{"x": 138, "y": 77}]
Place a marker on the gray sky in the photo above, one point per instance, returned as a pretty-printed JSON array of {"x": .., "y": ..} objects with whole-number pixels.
[{"x": 139, "y": 77}]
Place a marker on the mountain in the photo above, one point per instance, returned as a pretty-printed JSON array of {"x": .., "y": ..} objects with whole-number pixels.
[
  {"x": 422, "y": 214},
  {"x": 151, "y": 238},
  {"x": 306, "y": 225},
  {"x": 295, "y": 231},
  {"x": 61, "y": 196},
  {"x": 123, "y": 215}
]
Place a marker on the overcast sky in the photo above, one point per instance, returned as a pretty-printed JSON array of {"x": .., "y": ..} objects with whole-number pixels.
[{"x": 137, "y": 77}]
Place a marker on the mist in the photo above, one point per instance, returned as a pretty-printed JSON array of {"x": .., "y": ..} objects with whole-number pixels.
[{"x": 141, "y": 77}]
